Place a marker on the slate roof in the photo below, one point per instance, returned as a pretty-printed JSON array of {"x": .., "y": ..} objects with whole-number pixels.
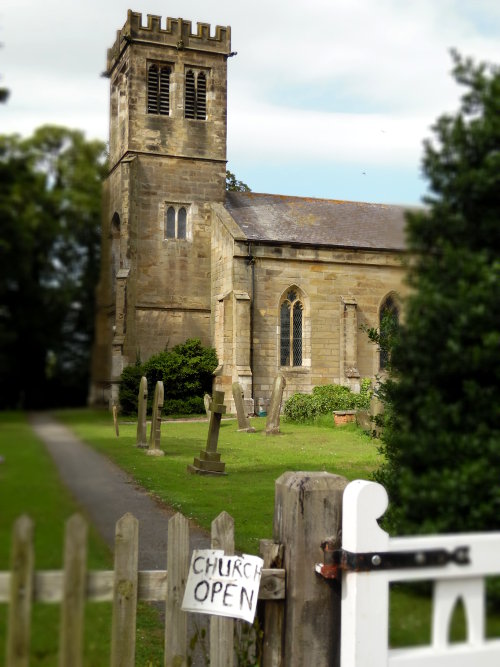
[{"x": 326, "y": 222}]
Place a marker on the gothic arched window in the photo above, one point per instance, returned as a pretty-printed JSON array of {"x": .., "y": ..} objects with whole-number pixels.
[
  {"x": 176, "y": 221},
  {"x": 158, "y": 89},
  {"x": 291, "y": 329},
  {"x": 388, "y": 322},
  {"x": 195, "y": 97}
]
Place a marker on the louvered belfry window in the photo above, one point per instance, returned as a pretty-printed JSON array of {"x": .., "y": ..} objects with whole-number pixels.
[
  {"x": 159, "y": 89},
  {"x": 195, "y": 103},
  {"x": 291, "y": 330}
]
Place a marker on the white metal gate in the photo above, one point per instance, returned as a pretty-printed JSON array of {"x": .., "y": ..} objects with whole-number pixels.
[{"x": 365, "y": 594}]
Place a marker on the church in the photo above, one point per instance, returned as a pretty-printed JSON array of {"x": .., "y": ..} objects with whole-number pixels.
[{"x": 277, "y": 284}]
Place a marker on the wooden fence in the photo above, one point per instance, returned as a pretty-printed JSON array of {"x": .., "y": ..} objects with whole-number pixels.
[{"x": 301, "y": 612}]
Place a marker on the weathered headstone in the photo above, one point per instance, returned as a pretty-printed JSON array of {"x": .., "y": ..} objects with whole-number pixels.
[
  {"x": 243, "y": 421},
  {"x": 209, "y": 462},
  {"x": 155, "y": 434},
  {"x": 273, "y": 416},
  {"x": 207, "y": 399},
  {"x": 115, "y": 420},
  {"x": 142, "y": 404}
]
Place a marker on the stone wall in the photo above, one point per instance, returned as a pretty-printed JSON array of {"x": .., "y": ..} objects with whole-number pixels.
[
  {"x": 341, "y": 292},
  {"x": 155, "y": 291}
]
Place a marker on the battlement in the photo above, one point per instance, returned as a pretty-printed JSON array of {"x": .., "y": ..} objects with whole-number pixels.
[{"x": 177, "y": 33}]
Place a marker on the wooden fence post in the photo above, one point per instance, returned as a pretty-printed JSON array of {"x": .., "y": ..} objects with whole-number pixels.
[
  {"x": 21, "y": 593},
  {"x": 74, "y": 592},
  {"x": 178, "y": 568},
  {"x": 125, "y": 592},
  {"x": 308, "y": 510},
  {"x": 222, "y": 629}
]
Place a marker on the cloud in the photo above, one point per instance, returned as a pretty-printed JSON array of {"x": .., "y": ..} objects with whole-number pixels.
[{"x": 358, "y": 81}]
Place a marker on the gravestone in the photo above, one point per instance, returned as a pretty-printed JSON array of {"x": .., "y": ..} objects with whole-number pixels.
[
  {"x": 155, "y": 434},
  {"x": 243, "y": 421},
  {"x": 115, "y": 420},
  {"x": 273, "y": 416},
  {"x": 142, "y": 404},
  {"x": 209, "y": 462},
  {"x": 207, "y": 399}
]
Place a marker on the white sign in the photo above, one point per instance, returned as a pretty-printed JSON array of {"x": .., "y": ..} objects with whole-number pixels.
[{"x": 223, "y": 585}]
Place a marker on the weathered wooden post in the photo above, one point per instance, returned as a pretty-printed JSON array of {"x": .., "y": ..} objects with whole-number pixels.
[{"x": 308, "y": 510}]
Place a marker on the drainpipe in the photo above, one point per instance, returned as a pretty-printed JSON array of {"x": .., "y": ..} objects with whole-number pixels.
[{"x": 251, "y": 263}]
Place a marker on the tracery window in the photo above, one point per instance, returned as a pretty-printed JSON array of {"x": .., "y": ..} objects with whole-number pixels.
[
  {"x": 291, "y": 329},
  {"x": 388, "y": 322},
  {"x": 176, "y": 222},
  {"x": 195, "y": 101},
  {"x": 158, "y": 89}
]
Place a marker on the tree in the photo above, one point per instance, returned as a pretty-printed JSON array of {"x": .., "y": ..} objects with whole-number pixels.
[
  {"x": 442, "y": 434},
  {"x": 50, "y": 192},
  {"x": 233, "y": 184}
]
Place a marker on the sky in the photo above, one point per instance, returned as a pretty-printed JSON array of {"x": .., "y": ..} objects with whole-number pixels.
[{"x": 326, "y": 98}]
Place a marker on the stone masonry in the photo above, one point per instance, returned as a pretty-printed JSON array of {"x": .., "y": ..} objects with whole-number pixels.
[{"x": 226, "y": 281}]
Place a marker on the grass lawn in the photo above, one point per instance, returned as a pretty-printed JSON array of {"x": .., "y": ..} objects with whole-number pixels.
[
  {"x": 29, "y": 484},
  {"x": 253, "y": 462}
]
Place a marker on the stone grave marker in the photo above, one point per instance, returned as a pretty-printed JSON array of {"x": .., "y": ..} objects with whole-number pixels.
[
  {"x": 115, "y": 420},
  {"x": 155, "y": 434},
  {"x": 142, "y": 404},
  {"x": 243, "y": 421},
  {"x": 207, "y": 399},
  {"x": 209, "y": 462},
  {"x": 273, "y": 416}
]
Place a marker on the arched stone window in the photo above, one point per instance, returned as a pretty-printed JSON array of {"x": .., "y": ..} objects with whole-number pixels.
[
  {"x": 181, "y": 223},
  {"x": 195, "y": 95},
  {"x": 291, "y": 329},
  {"x": 158, "y": 89},
  {"x": 388, "y": 321},
  {"x": 115, "y": 248},
  {"x": 176, "y": 221}
]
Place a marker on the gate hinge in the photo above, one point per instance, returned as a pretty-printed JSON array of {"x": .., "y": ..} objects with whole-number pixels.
[{"x": 336, "y": 560}]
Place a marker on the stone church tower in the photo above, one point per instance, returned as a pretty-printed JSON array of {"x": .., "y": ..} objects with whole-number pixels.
[
  {"x": 167, "y": 164},
  {"x": 277, "y": 284}
]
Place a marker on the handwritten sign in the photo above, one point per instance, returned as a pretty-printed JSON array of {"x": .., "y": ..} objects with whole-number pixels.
[{"x": 223, "y": 585}]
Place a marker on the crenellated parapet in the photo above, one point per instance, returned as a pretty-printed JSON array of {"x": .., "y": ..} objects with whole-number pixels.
[{"x": 177, "y": 33}]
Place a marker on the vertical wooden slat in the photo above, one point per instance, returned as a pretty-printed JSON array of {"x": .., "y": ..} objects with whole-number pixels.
[
  {"x": 272, "y": 643},
  {"x": 308, "y": 508},
  {"x": 125, "y": 592},
  {"x": 21, "y": 593},
  {"x": 222, "y": 629},
  {"x": 178, "y": 568},
  {"x": 74, "y": 589}
]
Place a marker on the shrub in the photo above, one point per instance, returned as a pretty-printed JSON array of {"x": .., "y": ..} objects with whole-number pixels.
[
  {"x": 184, "y": 406},
  {"x": 129, "y": 388},
  {"x": 186, "y": 372},
  {"x": 325, "y": 399}
]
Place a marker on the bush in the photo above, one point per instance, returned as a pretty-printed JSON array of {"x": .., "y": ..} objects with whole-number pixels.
[
  {"x": 325, "y": 399},
  {"x": 129, "y": 388},
  {"x": 186, "y": 372},
  {"x": 184, "y": 406}
]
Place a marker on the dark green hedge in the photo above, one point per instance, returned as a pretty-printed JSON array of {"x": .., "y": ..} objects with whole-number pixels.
[{"x": 186, "y": 372}]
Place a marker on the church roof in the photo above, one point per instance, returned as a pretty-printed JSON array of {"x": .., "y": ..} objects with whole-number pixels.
[{"x": 327, "y": 222}]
